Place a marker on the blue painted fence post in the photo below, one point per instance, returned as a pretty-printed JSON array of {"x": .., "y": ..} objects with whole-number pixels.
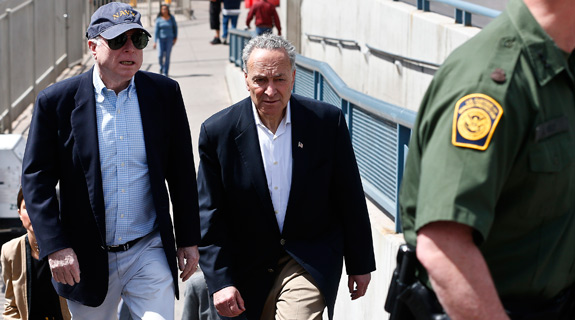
[{"x": 403, "y": 136}]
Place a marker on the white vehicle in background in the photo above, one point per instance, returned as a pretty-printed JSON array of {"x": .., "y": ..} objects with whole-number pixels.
[{"x": 11, "y": 153}]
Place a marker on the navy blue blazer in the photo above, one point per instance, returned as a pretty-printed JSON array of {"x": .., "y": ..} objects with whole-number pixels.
[
  {"x": 326, "y": 218},
  {"x": 62, "y": 148}
]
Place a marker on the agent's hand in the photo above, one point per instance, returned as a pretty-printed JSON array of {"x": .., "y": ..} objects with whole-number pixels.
[
  {"x": 64, "y": 266},
  {"x": 174, "y": 41},
  {"x": 228, "y": 302},
  {"x": 155, "y": 46},
  {"x": 358, "y": 285},
  {"x": 188, "y": 258}
]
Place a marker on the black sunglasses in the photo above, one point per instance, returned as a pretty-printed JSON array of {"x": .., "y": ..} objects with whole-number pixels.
[{"x": 139, "y": 39}]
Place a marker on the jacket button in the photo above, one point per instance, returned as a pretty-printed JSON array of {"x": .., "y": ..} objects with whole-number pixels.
[
  {"x": 283, "y": 242},
  {"x": 270, "y": 270}
]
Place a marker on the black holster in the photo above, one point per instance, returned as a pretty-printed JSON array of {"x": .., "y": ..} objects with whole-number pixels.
[{"x": 408, "y": 298}]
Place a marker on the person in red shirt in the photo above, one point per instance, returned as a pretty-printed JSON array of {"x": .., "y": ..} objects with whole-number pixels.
[{"x": 266, "y": 17}]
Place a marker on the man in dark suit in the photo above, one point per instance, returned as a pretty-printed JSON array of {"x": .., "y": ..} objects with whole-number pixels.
[
  {"x": 111, "y": 138},
  {"x": 281, "y": 201}
]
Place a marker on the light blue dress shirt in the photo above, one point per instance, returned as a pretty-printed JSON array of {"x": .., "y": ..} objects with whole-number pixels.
[{"x": 130, "y": 212}]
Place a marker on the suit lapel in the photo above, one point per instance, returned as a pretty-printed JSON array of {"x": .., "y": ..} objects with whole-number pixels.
[
  {"x": 85, "y": 131},
  {"x": 300, "y": 155},
  {"x": 152, "y": 118},
  {"x": 249, "y": 149}
]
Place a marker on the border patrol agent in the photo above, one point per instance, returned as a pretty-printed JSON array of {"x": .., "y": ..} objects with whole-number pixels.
[{"x": 489, "y": 186}]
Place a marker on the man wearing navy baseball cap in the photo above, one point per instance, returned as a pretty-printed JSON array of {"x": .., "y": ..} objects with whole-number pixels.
[
  {"x": 113, "y": 19},
  {"x": 117, "y": 141}
]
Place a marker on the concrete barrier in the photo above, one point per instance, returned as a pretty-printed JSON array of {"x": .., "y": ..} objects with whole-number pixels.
[{"x": 388, "y": 25}]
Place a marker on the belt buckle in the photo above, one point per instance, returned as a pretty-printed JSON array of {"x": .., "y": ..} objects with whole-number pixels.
[{"x": 117, "y": 247}]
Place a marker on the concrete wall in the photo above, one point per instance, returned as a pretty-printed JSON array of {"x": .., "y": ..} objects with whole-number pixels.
[{"x": 387, "y": 25}]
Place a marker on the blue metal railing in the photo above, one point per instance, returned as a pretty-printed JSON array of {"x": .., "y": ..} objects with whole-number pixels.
[
  {"x": 414, "y": 64},
  {"x": 463, "y": 10},
  {"x": 238, "y": 40},
  {"x": 379, "y": 130}
]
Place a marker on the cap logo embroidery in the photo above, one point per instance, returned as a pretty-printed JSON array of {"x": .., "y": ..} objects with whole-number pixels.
[
  {"x": 123, "y": 13},
  {"x": 474, "y": 121},
  {"x": 113, "y": 19}
]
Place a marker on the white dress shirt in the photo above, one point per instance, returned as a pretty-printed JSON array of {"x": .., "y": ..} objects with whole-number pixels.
[{"x": 277, "y": 158}]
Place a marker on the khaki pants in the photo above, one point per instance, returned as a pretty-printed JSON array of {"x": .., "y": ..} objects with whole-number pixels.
[{"x": 294, "y": 295}]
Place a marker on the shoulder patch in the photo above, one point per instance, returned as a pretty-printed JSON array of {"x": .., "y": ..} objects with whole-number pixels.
[{"x": 475, "y": 118}]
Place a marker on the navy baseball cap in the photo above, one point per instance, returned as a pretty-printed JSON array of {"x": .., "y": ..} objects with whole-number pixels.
[{"x": 113, "y": 19}]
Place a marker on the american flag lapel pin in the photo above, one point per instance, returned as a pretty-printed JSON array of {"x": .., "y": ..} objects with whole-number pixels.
[{"x": 300, "y": 145}]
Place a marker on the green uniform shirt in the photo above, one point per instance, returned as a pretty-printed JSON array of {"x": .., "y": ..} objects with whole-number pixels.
[{"x": 493, "y": 148}]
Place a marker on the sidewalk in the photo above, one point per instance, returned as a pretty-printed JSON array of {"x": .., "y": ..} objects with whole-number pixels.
[{"x": 198, "y": 66}]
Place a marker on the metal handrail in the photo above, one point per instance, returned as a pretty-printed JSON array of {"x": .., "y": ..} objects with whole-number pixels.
[
  {"x": 367, "y": 103},
  {"x": 401, "y": 119},
  {"x": 463, "y": 10},
  {"x": 471, "y": 7},
  {"x": 20, "y": 6},
  {"x": 414, "y": 64},
  {"x": 341, "y": 43},
  {"x": 236, "y": 47}
]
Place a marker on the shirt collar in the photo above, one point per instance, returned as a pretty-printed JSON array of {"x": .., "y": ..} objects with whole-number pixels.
[
  {"x": 99, "y": 85},
  {"x": 287, "y": 116},
  {"x": 546, "y": 58}
]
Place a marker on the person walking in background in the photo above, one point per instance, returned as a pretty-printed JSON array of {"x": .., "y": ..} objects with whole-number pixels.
[
  {"x": 215, "y": 10},
  {"x": 266, "y": 17},
  {"x": 166, "y": 33},
  {"x": 230, "y": 13},
  {"x": 198, "y": 304},
  {"x": 115, "y": 139},
  {"x": 281, "y": 200},
  {"x": 487, "y": 194},
  {"x": 29, "y": 291}
]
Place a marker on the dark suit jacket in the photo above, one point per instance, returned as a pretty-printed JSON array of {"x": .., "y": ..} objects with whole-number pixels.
[
  {"x": 326, "y": 217},
  {"x": 63, "y": 147}
]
